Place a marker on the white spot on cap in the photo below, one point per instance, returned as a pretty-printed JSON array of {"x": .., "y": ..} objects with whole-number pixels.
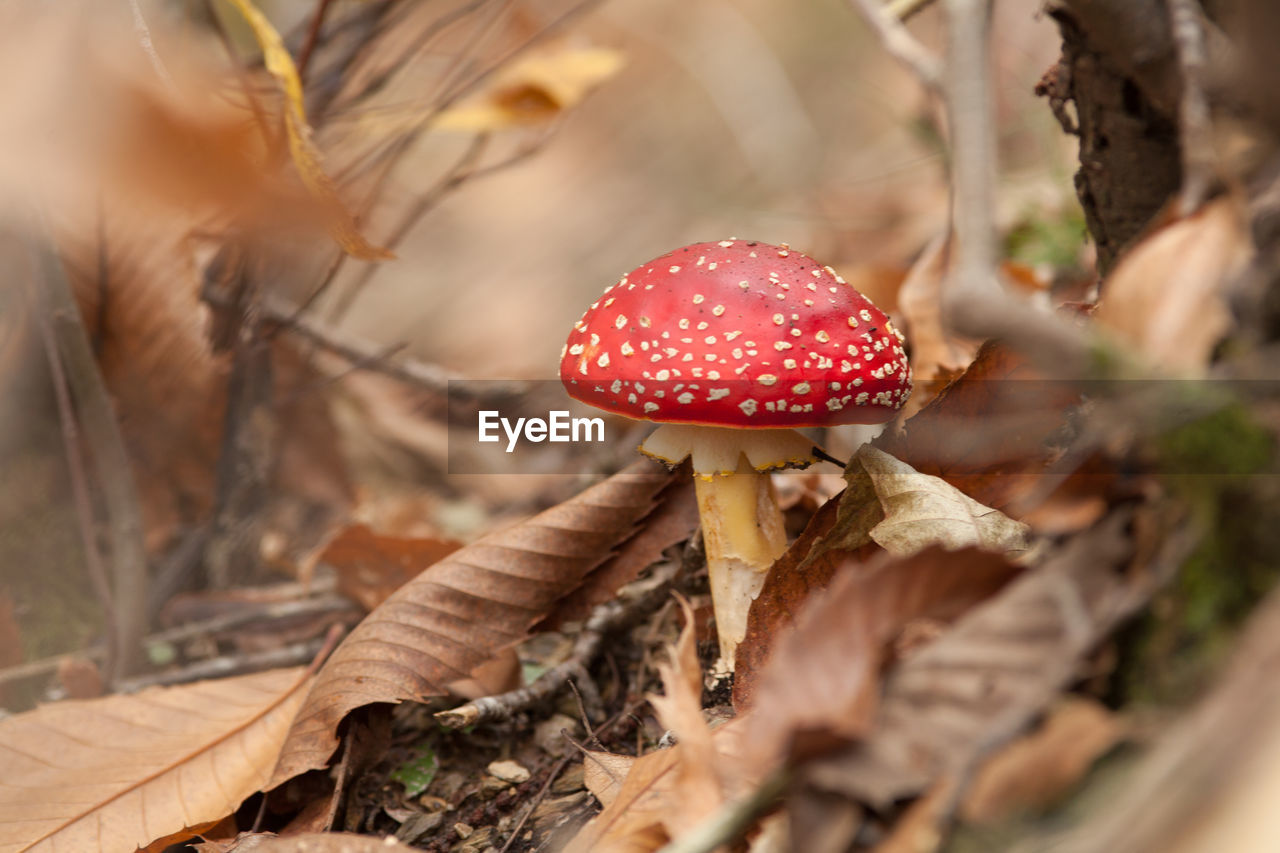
[
  {"x": 711, "y": 265},
  {"x": 822, "y": 336},
  {"x": 728, "y": 336},
  {"x": 853, "y": 322},
  {"x": 595, "y": 339},
  {"x": 684, "y": 323},
  {"x": 748, "y": 407},
  {"x": 639, "y": 387},
  {"x": 631, "y": 398},
  {"x": 698, "y": 298},
  {"x": 779, "y": 319},
  {"x": 674, "y": 268},
  {"x": 781, "y": 346},
  {"x": 662, "y": 375},
  {"x": 834, "y": 404},
  {"x": 564, "y": 349},
  {"x": 714, "y": 394},
  {"x": 724, "y": 244},
  {"x": 795, "y": 333},
  {"x": 603, "y": 360},
  {"x": 616, "y": 386},
  {"x": 745, "y": 285},
  {"x": 685, "y": 398},
  {"x": 718, "y": 310},
  {"x": 800, "y": 388},
  {"x": 645, "y": 321},
  {"x": 576, "y": 349},
  {"x": 709, "y": 339},
  {"x": 650, "y": 407},
  {"x": 627, "y": 349},
  {"x": 865, "y": 315},
  {"x": 767, "y": 379},
  {"x": 789, "y": 363},
  {"x": 620, "y": 322}
]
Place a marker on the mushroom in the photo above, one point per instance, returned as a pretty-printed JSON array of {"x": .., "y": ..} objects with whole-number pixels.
[{"x": 730, "y": 346}]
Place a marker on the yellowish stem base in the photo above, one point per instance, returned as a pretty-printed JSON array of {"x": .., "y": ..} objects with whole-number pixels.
[{"x": 743, "y": 532}]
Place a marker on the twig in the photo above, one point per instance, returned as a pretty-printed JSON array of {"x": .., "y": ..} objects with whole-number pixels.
[
  {"x": 102, "y": 436},
  {"x": 80, "y": 492},
  {"x": 462, "y": 172},
  {"x": 228, "y": 665},
  {"x": 975, "y": 304},
  {"x": 1194, "y": 124},
  {"x": 900, "y": 44},
  {"x": 607, "y": 619},
  {"x": 271, "y": 612},
  {"x": 312, "y": 38},
  {"x": 365, "y": 355},
  {"x": 733, "y": 819},
  {"x": 554, "y": 774}
]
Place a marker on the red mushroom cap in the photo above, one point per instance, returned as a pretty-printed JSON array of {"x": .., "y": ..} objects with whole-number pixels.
[{"x": 737, "y": 333}]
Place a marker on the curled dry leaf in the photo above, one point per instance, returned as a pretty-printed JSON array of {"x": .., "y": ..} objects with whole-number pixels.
[
  {"x": 123, "y": 771},
  {"x": 921, "y": 510},
  {"x": 473, "y": 603},
  {"x": 1167, "y": 296},
  {"x": 306, "y": 157}
]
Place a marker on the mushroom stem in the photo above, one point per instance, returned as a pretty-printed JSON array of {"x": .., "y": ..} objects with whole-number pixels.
[{"x": 743, "y": 533}]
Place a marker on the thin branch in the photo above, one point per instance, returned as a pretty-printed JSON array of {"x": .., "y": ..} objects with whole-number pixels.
[
  {"x": 362, "y": 354},
  {"x": 901, "y": 45},
  {"x": 111, "y": 463},
  {"x": 76, "y": 470},
  {"x": 312, "y": 38},
  {"x": 1194, "y": 123},
  {"x": 975, "y": 304}
]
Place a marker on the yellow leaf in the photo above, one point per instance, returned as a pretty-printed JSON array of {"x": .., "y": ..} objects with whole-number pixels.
[
  {"x": 119, "y": 772},
  {"x": 306, "y": 157},
  {"x": 534, "y": 90}
]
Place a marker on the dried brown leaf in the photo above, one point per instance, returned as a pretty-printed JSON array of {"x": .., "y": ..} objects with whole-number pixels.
[
  {"x": 371, "y": 566},
  {"x": 1167, "y": 296},
  {"x": 1036, "y": 769},
  {"x": 674, "y": 520},
  {"x": 119, "y": 772},
  {"x": 698, "y": 785},
  {"x": 991, "y": 433},
  {"x": 650, "y": 800},
  {"x": 987, "y": 677},
  {"x": 604, "y": 772},
  {"x": 821, "y": 685},
  {"x": 478, "y": 600}
]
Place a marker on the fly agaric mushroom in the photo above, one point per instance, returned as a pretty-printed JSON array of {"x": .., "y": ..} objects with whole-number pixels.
[{"x": 730, "y": 346}]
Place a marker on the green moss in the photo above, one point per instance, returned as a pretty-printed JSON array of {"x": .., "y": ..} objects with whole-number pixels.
[
  {"x": 1053, "y": 238},
  {"x": 1219, "y": 465}
]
